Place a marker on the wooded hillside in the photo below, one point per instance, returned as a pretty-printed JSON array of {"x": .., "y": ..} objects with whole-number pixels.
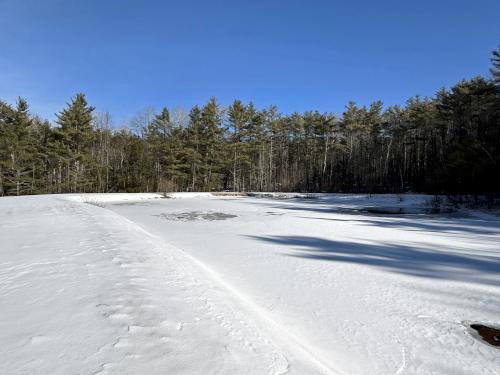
[{"x": 449, "y": 144}]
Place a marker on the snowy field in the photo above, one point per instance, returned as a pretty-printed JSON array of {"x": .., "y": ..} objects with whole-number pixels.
[{"x": 268, "y": 284}]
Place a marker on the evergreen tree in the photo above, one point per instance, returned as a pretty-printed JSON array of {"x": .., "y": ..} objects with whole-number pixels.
[
  {"x": 164, "y": 140},
  {"x": 76, "y": 135},
  {"x": 495, "y": 70},
  {"x": 240, "y": 126},
  {"x": 192, "y": 154},
  {"x": 18, "y": 153},
  {"x": 6, "y": 139},
  {"x": 473, "y": 133},
  {"x": 211, "y": 142}
]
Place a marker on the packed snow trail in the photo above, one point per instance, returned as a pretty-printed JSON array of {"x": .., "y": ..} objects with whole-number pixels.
[
  {"x": 85, "y": 291},
  {"x": 369, "y": 294}
]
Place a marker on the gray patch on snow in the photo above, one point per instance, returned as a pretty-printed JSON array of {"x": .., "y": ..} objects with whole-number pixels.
[
  {"x": 273, "y": 213},
  {"x": 196, "y": 215}
]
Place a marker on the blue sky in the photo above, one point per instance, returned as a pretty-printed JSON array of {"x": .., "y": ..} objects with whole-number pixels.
[{"x": 129, "y": 54}]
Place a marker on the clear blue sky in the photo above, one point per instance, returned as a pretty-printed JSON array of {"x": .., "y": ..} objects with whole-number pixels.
[{"x": 129, "y": 54}]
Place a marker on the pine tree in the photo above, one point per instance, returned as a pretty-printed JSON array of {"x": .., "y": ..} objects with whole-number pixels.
[
  {"x": 76, "y": 134},
  {"x": 473, "y": 133},
  {"x": 211, "y": 145},
  {"x": 240, "y": 123},
  {"x": 192, "y": 157},
  {"x": 163, "y": 139},
  {"x": 17, "y": 155},
  {"x": 45, "y": 156},
  {"x": 495, "y": 70},
  {"x": 7, "y": 137}
]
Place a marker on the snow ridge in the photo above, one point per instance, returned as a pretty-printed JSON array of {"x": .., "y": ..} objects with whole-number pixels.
[{"x": 292, "y": 341}]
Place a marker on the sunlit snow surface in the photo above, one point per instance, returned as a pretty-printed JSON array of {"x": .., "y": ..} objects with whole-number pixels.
[{"x": 268, "y": 284}]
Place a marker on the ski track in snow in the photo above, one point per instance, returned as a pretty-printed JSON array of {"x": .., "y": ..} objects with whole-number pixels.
[
  {"x": 298, "y": 343},
  {"x": 92, "y": 290},
  {"x": 142, "y": 281},
  {"x": 347, "y": 284},
  {"x": 403, "y": 366}
]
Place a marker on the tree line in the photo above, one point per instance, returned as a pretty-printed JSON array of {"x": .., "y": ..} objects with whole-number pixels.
[{"x": 447, "y": 144}]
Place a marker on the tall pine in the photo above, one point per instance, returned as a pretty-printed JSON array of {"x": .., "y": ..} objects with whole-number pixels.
[{"x": 76, "y": 134}]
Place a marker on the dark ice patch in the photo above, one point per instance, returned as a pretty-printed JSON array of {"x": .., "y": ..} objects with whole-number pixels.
[
  {"x": 196, "y": 215},
  {"x": 488, "y": 334}
]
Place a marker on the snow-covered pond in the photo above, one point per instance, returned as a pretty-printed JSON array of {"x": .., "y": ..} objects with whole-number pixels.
[{"x": 316, "y": 284}]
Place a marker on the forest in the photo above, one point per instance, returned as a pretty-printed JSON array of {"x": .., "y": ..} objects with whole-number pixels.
[{"x": 446, "y": 144}]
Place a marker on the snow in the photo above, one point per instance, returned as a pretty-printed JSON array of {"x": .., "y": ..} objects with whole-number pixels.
[
  {"x": 112, "y": 197},
  {"x": 188, "y": 195},
  {"x": 274, "y": 284}
]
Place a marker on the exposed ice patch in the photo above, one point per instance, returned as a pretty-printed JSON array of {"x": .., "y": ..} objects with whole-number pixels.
[{"x": 196, "y": 215}]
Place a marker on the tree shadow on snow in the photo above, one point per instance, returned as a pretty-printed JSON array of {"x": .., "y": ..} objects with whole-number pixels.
[
  {"x": 455, "y": 223},
  {"x": 436, "y": 224},
  {"x": 414, "y": 261}
]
